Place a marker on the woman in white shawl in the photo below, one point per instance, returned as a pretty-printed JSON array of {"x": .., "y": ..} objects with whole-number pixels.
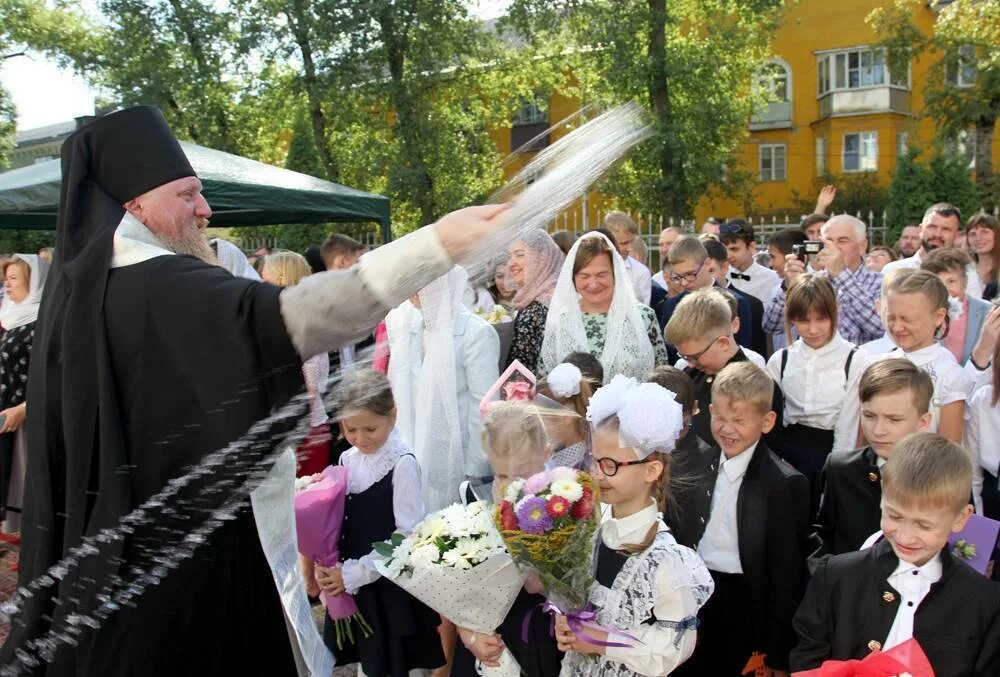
[
  {"x": 443, "y": 360},
  {"x": 24, "y": 279},
  {"x": 594, "y": 310}
]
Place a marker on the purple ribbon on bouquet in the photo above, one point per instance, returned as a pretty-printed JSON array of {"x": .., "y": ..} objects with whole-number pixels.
[{"x": 579, "y": 622}]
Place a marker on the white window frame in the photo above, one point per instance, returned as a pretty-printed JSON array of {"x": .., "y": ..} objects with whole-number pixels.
[
  {"x": 866, "y": 163},
  {"x": 835, "y": 67},
  {"x": 762, "y": 81},
  {"x": 902, "y": 143},
  {"x": 821, "y": 152},
  {"x": 768, "y": 149},
  {"x": 957, "y": 78}
]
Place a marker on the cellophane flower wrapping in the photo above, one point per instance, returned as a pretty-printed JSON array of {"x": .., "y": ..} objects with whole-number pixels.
[
  {"x": 455, "y": 563},
  {"x": 319, "y": 512},
  {"x": 549, "y": 523},
  {"x": 903, "y": 660}
]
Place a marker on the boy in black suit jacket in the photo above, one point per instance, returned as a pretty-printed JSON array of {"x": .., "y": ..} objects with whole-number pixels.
[
  {"x": 747, "y": 516},
  {"x": 895, "y": 401},
  {"x": 701, "y": 330},
  {"x": 908, "y": 585}
]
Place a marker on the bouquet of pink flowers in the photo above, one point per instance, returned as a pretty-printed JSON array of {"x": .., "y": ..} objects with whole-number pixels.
[
  {"x": 548, "y": 523},
  {"x": 319, "y": 512}
]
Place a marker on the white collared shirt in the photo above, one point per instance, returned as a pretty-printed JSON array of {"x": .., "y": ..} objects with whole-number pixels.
[
  {"x": 642, "y": 281},
  {"x": 952, "y": 383},
  {"x": 814, "y": 383},
  {"x": 912, "y": 583},
  {"x": 659, "y": 650},
  {"x": 762, "y": 283},
  {"x": 982, "y": 430},
  {"x": 720, "y": 545},
  {"x": 364, "y": 470},
  {"x": 659, "y": 280}
]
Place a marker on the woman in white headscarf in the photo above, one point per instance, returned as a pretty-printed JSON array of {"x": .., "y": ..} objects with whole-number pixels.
[
  {"x": 443, "y": 360},
  {"x": 594, "y": 310},
  {"x": 24, "y": 279}
]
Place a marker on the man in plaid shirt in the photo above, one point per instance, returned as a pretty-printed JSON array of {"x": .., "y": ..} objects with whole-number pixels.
[{"x": 858, "y": 289}]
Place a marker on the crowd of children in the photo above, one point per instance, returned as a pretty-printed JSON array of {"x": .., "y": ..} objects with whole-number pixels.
[{"x": 795, "y": 514}]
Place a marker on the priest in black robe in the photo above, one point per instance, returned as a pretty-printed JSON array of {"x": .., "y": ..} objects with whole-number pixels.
[{"x": 147, "y": 358}]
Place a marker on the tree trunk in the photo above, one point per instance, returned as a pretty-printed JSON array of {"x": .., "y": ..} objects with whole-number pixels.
[
  {"x": 299, "y": 22},
  {"x": 670, "y": 153},
  {"x": 985, "y": 130},
  {"x": 206, "y": 71},
  {"x": 415, "y": 182}
]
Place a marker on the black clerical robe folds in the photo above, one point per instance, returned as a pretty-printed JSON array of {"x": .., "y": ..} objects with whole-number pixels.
[
  {"x": 195, "y": 357},
  {"x": 849, "y": 604}
]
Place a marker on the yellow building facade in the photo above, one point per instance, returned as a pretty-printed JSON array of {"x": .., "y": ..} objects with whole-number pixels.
[{"x": 839, "y": 110}]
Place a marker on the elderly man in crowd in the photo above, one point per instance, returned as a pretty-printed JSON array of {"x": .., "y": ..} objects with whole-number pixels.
[
  {"x": 940, "y": 227},
  {"x": 858, "y": 289}
]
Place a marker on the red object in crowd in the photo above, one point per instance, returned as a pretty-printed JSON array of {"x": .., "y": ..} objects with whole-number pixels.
[
  {"x": 313, "y": 454},
  {"x": 12, "y": 539},
  {"x": 907, "y": 658},
  {"x": 380, "y": 361}
]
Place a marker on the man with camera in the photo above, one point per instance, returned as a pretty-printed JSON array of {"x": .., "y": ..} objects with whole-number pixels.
[{"x": 841, "y": 258}]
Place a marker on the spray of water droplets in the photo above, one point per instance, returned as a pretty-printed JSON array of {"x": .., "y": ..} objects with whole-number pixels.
[{"x": 167, "y": 529}]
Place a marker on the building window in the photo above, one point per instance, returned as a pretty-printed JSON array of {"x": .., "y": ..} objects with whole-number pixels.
[
  {"x": 902, "y": 143},
  {"x": 532, "y": 112},
  {"x": 856, "y": 69},
  {"x": 773, "y": 82},
  {"x": 821, "y": 156},
  {"x": 772, "y": 162},
  {"x": 861, "y": 152},
  {"x": 962, "y": 147},
  {"x": 961, "y": 68}
]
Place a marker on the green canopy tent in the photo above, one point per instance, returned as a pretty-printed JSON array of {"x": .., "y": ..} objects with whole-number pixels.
[{"x": 241, "y": 192}]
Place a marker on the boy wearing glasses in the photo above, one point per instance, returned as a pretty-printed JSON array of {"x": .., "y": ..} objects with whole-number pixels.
[
  {"x": 745, "y": 273},
  {"x": 701, "y": 331},
  {"x": 748, "y": 519}
]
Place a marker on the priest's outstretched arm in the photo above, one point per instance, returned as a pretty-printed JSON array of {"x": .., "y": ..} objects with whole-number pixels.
[{"x": 327, "y": 310}]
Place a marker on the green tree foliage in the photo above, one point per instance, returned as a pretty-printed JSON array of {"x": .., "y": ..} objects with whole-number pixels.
[
  {"x": 689, "y": 62},
  {"x": 8, "y": 120},
  {"x": 25, "y": 241},
  {"x": 962, "y": 92},
  {"x": 917, "y": 185}
]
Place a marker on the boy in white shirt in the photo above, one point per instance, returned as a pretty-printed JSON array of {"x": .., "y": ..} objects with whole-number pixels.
[
  {"x": 745, "y": 273},
  {"x": 907, "y": 585}
]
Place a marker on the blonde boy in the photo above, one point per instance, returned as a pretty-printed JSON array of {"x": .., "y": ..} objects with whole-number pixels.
[
  {"x": 747, "y": 518},
  {"x": 908, "y": 585},
  {"x": 701, "y": 329}
]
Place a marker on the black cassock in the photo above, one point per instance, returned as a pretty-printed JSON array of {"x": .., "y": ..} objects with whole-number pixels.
[{"x": 194, "y": 357}]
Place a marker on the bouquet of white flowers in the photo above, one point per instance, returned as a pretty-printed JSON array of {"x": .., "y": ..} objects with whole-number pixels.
[
  {"x": 455, "y": 563},
  {"x": 497, "y": 315}
]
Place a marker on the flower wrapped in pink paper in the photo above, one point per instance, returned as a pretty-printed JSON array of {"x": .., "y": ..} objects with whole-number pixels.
[
  {"x": 903, "y": 660},
  {"x": 319, "y": 512}
]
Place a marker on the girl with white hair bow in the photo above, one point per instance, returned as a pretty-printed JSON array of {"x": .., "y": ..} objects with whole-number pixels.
[{"x": 649, "y": 587}]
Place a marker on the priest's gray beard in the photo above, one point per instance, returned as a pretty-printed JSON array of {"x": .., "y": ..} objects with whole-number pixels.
[{"x": 193, "y": 243}]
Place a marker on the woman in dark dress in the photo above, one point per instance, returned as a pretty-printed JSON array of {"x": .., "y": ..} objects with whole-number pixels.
[
  {"x": 24, "y": 279},
  {"x": 534, "y": 265}
]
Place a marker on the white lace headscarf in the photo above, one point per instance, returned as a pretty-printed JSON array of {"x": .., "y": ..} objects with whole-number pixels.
[
  {"x": 13, "y": 315},
  {"x": 431, "y": 424},
  {"x": 627, "y": 349}
]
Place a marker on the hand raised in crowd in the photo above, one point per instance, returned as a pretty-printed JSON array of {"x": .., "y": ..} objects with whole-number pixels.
[
  {"x": 567, "y": 640},
  {"x": 794, "y": 269},
  {"x": 13, "y": 418},
  {"x": 831, "y": 260},
  {"x": 461, "y": 230},
  {"x": 982, "y": 353},
  {"x": 487, "y": 648},
  {"x": 826, "y": 197},
  {"x": 330, "y": 580}
]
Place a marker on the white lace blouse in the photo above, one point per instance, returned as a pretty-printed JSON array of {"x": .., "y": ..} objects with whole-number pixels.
[{"x": 667, "y": 581}]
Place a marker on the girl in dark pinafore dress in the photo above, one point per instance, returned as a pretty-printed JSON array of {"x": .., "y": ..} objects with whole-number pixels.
[{"x": 384, "y": 495}]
